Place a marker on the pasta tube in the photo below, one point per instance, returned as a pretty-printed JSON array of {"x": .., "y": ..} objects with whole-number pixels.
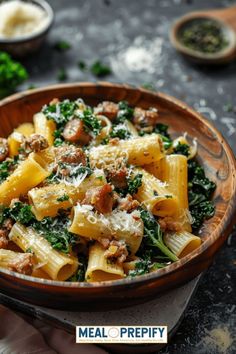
[
  {"x": 119, "y": 224},
  {"x": 100, "y": 268},
  {"x": 44, "y": 127},
  {"x": 182, "y": 243},
  {"x": 138, "y": 151},
  {"x": 57, "y": 265},
  {"x": 175, "y": 173},
  {"x": 25, "y": 128},
  {"x": 48, "y": 200},
  {"x": 15, "y": 261},
  {"x": 155, "y": 196},
  {"x": 28, "y": 174},
  {"x": 14, "y": 142}
]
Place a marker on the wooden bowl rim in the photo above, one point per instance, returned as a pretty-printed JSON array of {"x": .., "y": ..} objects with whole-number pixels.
[{"x": 226, "y": 221}]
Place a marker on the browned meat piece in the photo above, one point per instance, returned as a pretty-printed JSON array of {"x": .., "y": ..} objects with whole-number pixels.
[
  {"x": 117, "y": 250},
  {"x": 71, "y": 155},
  {"x": 3, "y": 149},
  {"x": 114, "y": 141},
  {"x": 101, "y": 198},
  {"x": 75, "y": 133},
  {"x": 8, "y": 223},
  {"x": 104, "y": 242},
  {"x": 3, "y": 238},
  {"x": 108, "y": 109},
  {"x": 144, "y": 117},
  {"x": 169, "y": 224},
  {"x": 128, "y": 203},
  {"x": 36, "y": 143},
  {"x": 118, "y": 177},
  {"x": 22, "y": 264}
]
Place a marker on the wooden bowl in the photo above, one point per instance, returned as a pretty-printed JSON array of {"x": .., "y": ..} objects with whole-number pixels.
[{"x": 213, "y": 152}]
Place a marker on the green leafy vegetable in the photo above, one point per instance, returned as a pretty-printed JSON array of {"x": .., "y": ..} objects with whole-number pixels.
[
  {"x": 120, "y": 131},
  {"x": 200, "y": 190},
  {"x": 20, "y": 212},
  {"x": 60, "y": 112},
  {"x": 135, "y": 183},
  {"x": 82, "y": 65},
  {"x": 7, "y": 166},
  {"x": 125, "y": 112},
  {"x": 54, "y": 230},
  {"x": 12, "y": 74},
  {"x": 62, "y": 46},
  {"x": 63, "y": 198},
  {"x": 99, "y": 69},
  {"x": 62, "y": 75},
  {"x": 90, "y": 121},
  {"x": 182, "y": 149},
  {"x": 146, "y": 264},
  {"x": 80, "y": 274},
  {"x": 153, "y": 236}
]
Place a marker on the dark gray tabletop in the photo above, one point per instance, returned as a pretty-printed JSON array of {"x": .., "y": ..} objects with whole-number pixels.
[{"x": 132, "y": 37}]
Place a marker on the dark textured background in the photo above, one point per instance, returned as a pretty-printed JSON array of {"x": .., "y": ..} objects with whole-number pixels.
[{"x": 132, "y": 37}]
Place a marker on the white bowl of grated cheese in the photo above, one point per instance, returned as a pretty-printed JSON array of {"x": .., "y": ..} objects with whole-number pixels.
[{"x": 24, "y": 25}]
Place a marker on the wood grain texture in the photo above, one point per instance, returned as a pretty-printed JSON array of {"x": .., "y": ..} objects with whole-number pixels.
[{"x": 213, "y": 153}]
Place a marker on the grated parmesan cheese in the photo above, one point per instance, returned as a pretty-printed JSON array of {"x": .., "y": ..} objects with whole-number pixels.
[{"x": 19, "y": 19}]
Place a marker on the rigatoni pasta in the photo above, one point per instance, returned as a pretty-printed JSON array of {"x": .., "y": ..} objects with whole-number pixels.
[{"x": 98, "y": 194}]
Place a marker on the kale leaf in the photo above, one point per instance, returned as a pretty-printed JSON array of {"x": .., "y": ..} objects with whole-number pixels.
[
  {"x": 134, "y": 183},
  {"x": 200, "y": 190},
  {"x": 6, "y": 166},
  {"x": 99, "y": 69},
  {"x": 125, "y": 112},
  {"x": 182, "y": 149},
  {"x": 90, "y": 121},
  {"x": 80, "y": 274},
  {"x": 120, "y": 132},
  {"x": 153, "y": 236},
  {"x": 12, "y": 74}
]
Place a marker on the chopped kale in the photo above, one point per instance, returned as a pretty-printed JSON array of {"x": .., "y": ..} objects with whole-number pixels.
[
  {"x": 200, "y": 190},
  {"x": 125, "y": 112},
  {"x": 62, "y": 46},
  {"x": 82, "y": 65},
  {"x": 182, "y": 149},
  {"x": 12, "y": 74},
  {"x": 145, "y": 264},
  {"x": 6, "y": 166},
  {"x": 59, "y": 140},
  {"x": 120, "y": 132},
  {"x": 90, "y": 121},
  {"x": 62, "y": 75},
  {"x": 134, "y": 183},
  {"x": 60, "y": 112},
  {"x": 54, "y": 230},
  {"x": 63, "y": 198},
  {"x": 21, "y": 212},
  {"x": 153, "y": 236},
  {"x": 162, "y": 129},
  {"x": 80, "y": 274},
  {"x": 99, "y": 69}
]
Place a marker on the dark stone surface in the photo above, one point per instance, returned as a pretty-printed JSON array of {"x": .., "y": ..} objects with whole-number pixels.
[{"x": 132, "y": 37}]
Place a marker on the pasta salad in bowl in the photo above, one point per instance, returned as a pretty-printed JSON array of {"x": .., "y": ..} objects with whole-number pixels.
[{"x": 98, "y": 194}]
